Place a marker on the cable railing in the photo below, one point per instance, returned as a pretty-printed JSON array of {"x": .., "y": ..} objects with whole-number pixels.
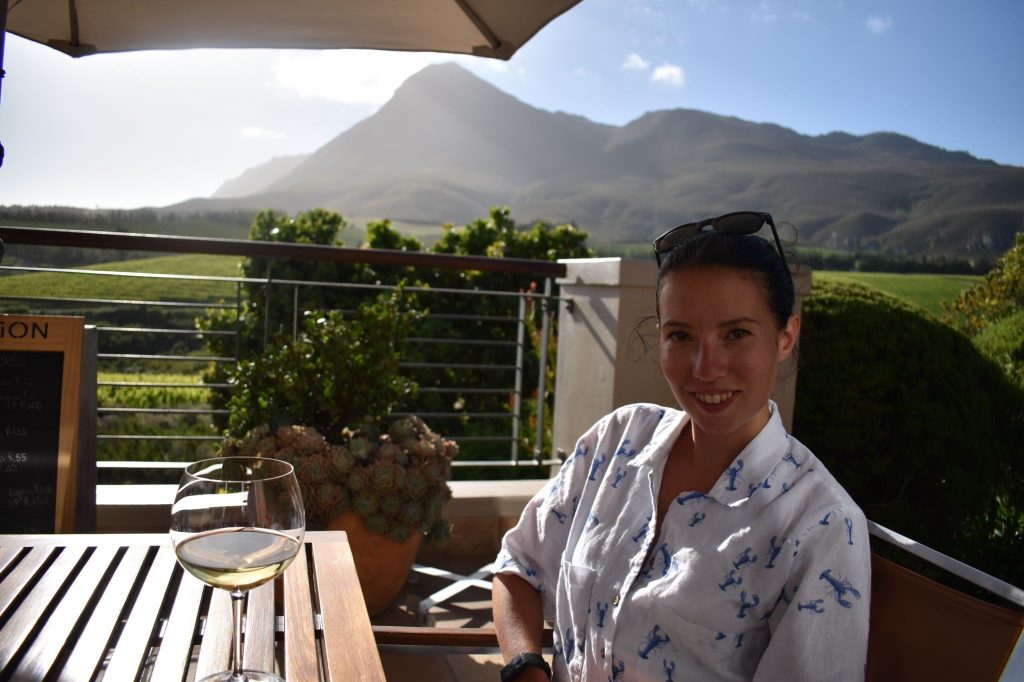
[{"x": 155, "y": 391}]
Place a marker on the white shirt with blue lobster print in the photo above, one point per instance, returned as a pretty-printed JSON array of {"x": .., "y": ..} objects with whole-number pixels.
[{"x": 766, "y": 577}]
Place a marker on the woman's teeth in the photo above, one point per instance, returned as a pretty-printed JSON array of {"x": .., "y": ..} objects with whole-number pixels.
[{"x": 713, "y": 398}]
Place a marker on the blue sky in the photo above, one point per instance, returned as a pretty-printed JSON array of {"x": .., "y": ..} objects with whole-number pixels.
[{"x": 154, "y": 128}]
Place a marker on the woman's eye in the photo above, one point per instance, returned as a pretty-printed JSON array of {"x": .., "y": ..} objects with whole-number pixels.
[
  {"x": 737, "y": 333},
  {"x": 677, "y": 336}
]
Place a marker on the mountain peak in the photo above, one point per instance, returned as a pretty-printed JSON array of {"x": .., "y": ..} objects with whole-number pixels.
[{"x": 449, "y": 145}]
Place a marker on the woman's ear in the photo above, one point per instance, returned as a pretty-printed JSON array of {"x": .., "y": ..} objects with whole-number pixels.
[{"x": 788, "y": 337}]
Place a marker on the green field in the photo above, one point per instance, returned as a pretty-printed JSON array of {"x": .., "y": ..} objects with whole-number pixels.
[
  {"x": 59, "y": 284},
  {"x": 924, "y": 291}
]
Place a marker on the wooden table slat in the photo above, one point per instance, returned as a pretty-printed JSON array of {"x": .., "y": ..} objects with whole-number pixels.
[
  {"x": 179, "y": 634},
  {"x": 300, "y": 651},
  {"x": 26, "y": 617},
  {"x": 91, "y": 646},
  {"x": 259, "y": 629},
  {"x": 56, "y": 633},
  {"x": 8, "y": 555},
  {"x": 346, "y": 625},
  {"x": 101, "y": 598},
  {"x": 215, "y": 652},
  {"x": 133, "y": 644},
  {"x": 16, "y": 582}
]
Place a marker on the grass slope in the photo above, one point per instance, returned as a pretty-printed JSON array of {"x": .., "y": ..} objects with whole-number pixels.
[
  {"x": 56, "y": 284},
  {"x": 923, "y": 290}
]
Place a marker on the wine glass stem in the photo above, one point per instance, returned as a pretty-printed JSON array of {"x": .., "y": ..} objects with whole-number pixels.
[{"x": 236, "y": 637}]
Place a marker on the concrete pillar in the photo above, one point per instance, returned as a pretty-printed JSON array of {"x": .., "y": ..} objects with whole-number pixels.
[{"x": 602, "y": 363}]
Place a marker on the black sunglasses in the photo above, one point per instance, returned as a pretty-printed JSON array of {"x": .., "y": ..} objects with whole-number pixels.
[{"x": 740, "y": 222}]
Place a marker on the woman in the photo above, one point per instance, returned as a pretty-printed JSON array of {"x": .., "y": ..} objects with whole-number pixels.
[{"x": 703, "y": 543}]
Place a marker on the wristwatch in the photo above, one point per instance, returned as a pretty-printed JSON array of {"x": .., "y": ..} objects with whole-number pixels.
[{"x": 521, "y": 662}]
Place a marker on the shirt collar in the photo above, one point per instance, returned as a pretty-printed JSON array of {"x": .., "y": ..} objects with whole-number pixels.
[{"x": 746, "y": 475}]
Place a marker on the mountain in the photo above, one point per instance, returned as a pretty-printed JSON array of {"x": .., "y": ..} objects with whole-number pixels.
[
  {"x": 258, "y": 178},
  {"x": 448, "y": 146}
]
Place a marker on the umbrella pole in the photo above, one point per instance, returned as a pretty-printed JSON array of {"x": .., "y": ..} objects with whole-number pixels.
[{"x": 3, "y": 34}]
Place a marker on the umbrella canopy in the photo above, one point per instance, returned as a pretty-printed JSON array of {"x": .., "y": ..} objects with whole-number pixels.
[{"x": 487, "y": 28}]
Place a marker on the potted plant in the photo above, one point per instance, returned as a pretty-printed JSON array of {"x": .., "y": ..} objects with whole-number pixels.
[{"x": 323, "y": 402}]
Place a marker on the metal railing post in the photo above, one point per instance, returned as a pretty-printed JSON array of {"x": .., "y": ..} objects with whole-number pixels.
[
  {"x": 266, "y": 306},
  {"x": 517, "y": 395},
  {"x": 542, "y": 374}
]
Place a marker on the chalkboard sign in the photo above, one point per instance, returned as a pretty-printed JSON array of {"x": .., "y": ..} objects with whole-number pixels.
[{"x": 40, "y": 372}]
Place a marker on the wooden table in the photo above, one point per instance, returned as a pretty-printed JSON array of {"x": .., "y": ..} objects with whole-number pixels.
[{"x": 119, "y": 607}]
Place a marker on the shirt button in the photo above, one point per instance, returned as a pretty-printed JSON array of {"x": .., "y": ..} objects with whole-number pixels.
[
  {"x": 615, "y": 601},
  {"x": 602, "y": 652}
]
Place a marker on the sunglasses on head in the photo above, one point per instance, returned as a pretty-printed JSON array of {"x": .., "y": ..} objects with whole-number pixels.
[{"x": 740, "y": 222}]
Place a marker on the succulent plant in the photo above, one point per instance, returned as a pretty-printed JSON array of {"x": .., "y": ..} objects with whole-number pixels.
[{"x": 396, "y": 479}]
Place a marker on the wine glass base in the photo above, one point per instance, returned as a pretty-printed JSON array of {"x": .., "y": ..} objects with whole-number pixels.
[{"x": 247, "y": 676}]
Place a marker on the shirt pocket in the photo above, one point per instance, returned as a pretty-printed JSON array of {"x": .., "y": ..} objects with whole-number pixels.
[
  {"x": 671, "y": 645},
  {"x": 576, "y": 585}
]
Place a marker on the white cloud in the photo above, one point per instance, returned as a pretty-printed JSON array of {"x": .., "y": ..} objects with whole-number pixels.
[
  {"x": 763, "y": 13},
  {"x": 350, "y": 76},
  {"x": 635, "y": 62},
  {"x": 877, "y": 25},
  {"x": 262, "y": 133},
  {"x": 670, "y": 74}
]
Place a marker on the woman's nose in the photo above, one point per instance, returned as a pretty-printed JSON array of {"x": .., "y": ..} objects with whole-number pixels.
[{"x": 709, "y": 362}]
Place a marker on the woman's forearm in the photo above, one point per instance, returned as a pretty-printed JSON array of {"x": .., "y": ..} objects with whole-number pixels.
[{"x": 518, "y": 615}]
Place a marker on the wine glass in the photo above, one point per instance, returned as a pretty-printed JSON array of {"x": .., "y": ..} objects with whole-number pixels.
[{"x": 236, "y": 523}]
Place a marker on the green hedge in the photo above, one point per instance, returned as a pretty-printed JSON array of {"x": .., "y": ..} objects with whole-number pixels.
[
  {"x": 924, "y": 431},
  {"x": 1003, "y": 342}
]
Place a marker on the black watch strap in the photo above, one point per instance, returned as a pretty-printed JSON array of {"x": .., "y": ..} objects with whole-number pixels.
[{"x": 521, "y": 662}]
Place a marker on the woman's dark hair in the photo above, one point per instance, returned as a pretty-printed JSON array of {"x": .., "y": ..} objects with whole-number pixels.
[{"x": 749, "y": 253}]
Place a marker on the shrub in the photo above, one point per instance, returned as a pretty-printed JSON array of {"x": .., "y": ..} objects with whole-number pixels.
[
  {"x": 1000, "y": 295},
  {"x": 1003, "y": 343},
  {"x": 923, "y": 431},
  {"x": 339, "y": 370}
]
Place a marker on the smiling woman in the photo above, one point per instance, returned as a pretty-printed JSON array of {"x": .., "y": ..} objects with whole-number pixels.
[{"x": 703, "y": 542}]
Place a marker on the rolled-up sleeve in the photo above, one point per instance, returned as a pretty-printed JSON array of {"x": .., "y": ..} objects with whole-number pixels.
[{"x": 821, "y": 634}]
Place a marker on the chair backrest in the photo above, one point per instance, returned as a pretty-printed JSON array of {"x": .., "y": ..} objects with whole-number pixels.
[{"x": 921, "y": 630}]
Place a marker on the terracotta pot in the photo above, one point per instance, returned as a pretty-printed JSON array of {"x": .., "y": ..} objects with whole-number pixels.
[{"x": 383, "y": 565}]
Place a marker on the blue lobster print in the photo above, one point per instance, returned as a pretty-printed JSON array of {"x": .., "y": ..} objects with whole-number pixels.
[
  {"x": 618, "y": 670},
  {"x": 686, "y": 497},
  {"x": 560, "y": 515},
  {"x": 814, "y": 606},
  {"x": 730, "y": 580},
  {"x": 596, "y": 465},
  {"x": 733, "y": 473},
  {"x": 653, "y": 641},
  {"x": 669, "y": 670},
  {"x": 619, "y": 475},
  {"x": 697, "y": 518},
  {"x": 643, "y": 530},
  {"x": 792, "y": 460},
  {"x": 839, "y": 588},
  {"x": 623, "y": 452},
  {"x": 744, "y": 558},
  {"x": 581, "y": 451},
  {"x": 739, "y": 640},
  {"x": 570, "y": 645},
  {"x": 773, "y": 552},
  {"x": 602, "y": 611},
  {"x": 744, "y": 604},
  {"x": 849, "y": 530},
  {"x": 825, "y": 518}
]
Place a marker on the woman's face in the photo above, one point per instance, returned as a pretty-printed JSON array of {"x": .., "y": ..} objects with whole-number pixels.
[{"x": 720, "y": 349}]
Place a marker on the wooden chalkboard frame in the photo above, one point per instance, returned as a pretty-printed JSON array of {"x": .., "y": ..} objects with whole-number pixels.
[{"x": 46, "y": 333}]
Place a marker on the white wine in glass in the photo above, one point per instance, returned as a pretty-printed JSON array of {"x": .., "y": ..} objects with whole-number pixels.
[{"x": 236, "y": 523}]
